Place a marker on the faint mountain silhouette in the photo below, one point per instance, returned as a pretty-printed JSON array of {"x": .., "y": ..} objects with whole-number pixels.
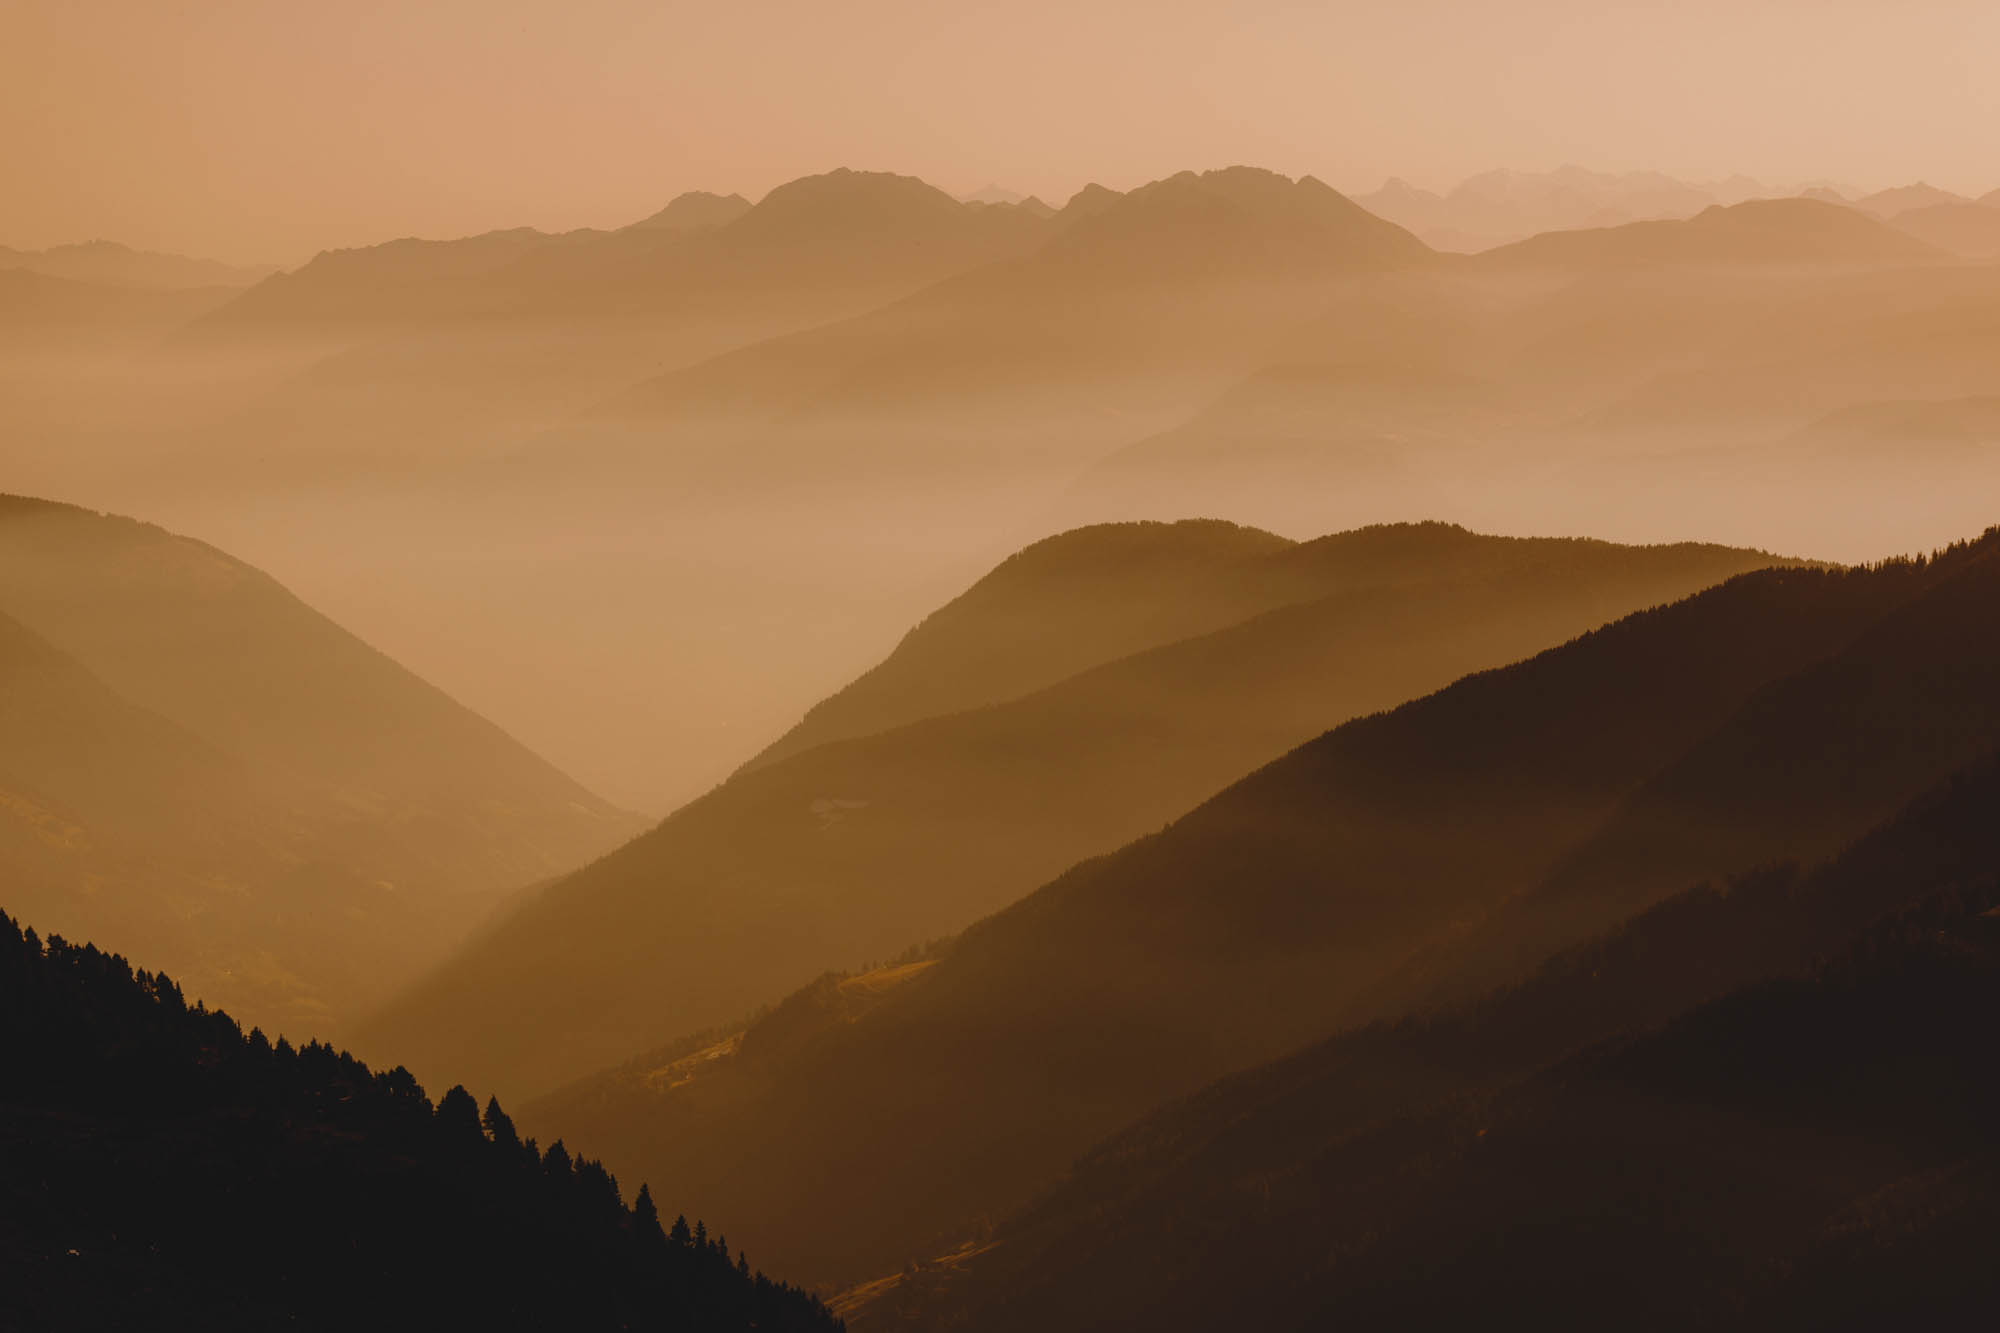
[
  {"x": 1220, "y": 1198},
  {"x": 1763, "y": 231},
  {"x": 1903, "y": 198},
  {"x": 696, "y": 210},
  {"x": 1502, "y": 206},
  {"x": 352, "y": 819},
  {"x": 115, "y": 265},
  {"x": 1970, "y": 230}
]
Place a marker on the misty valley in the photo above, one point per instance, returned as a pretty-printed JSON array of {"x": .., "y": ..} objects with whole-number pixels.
[{"x": 1217, "y": 754}]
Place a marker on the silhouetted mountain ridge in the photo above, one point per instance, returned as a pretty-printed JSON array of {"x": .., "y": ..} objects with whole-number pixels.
[
  {"x": 1760, "y": 231},
  {"x": 697, "y": 209},
  {"x": 853, "y": 848},
  {"x": 811, "y": 249},
  {"x": 164, "y": 1167},
  {"x": 1351, "y": 1174},
  {"x": 1054, "y": 608},
  {"x": 1304, "y": 898},
  {"x": 1238, "y": 220}
]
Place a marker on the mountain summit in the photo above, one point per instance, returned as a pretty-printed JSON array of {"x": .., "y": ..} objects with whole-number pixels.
[
  {"x": 695, "y": 210},
  {"x": 1237, "y": 220}
]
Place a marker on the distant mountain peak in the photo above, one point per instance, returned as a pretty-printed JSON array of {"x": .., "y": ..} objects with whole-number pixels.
[
  {"x": 1091, "y": 200},
  {"x": 1235, "y": 216},
  {"x": 1903, "y": 198},
  {"x": 846, "y": 196},
  {"x": 697, "y": 209}
]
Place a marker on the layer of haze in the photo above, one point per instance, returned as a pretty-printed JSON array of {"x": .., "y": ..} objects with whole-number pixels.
[
  {"x": 267, "y": 131},
  {"x": 688, "y": 471}
]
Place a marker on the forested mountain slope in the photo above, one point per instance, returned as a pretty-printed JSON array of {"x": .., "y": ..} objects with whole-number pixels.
[{"x": 162, "y": 1167}]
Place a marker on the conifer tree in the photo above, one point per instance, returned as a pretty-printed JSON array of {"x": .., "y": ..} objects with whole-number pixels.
[
  {"x": 556, "y": 1161},
  {"x": 458, "y": 1116},
  {"x": 499, "y": 1126},
  {"x": 646, "y": 1219}
]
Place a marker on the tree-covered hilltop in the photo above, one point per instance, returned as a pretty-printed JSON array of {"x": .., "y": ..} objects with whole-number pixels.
[{"x": 161, "y": 1167}]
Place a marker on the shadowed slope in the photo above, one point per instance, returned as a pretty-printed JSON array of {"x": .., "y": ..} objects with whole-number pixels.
[
  {"x": 1268, "y": 916},
  {"x": 1410, "y": 1168},
  {"x": 1055, "y": 608},
  {"x": 200, "y": 638},
  {"x": 852, "y": 849},
  {"x": 75, "y": 750},
  {"x": 330, "y": 790},
  {"x": 1801, "y": 767},
  {"x": 118, "y": 823}
]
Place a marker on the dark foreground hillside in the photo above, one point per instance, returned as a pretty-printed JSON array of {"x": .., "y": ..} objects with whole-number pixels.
[
  {"x": 161, "y": 1169},
  {"x": 1696, "y": 1120}
]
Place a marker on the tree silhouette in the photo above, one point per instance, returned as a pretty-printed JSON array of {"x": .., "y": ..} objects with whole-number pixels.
[
  {"x": 185, "y": 1175},
  {"x": 500, "y": 1126},
  {"x": 458, "y": 1117}
]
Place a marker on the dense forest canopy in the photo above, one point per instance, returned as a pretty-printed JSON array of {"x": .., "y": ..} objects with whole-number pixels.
[{"x": 160, "y": 1167}]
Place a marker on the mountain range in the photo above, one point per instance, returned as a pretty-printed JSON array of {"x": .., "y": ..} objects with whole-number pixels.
[
  {"x": 809, "y": 249},
  {"x": 1215, "y": 649},
  {"x": 1761, "y": 231},
  {"x": 1183, "y": 925},
  {"x": 1132, "y": 309},
  {"x": 791, "y": 395},
  {"x": 1379, "y": 871},
  {"x": 1497, "y": 207}
]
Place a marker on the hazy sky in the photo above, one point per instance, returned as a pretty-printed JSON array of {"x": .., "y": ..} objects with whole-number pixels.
[{"x": 267, "y": 129}]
